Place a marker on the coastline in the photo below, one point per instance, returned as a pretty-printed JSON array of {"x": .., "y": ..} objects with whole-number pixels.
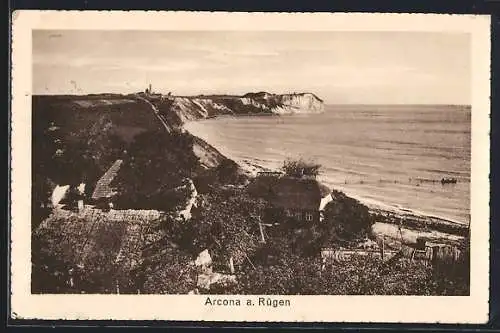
[
  {"x": 236, "y": 116},
  {"x": 383, "y": 213},
  {"x": 380, "y": 207}
]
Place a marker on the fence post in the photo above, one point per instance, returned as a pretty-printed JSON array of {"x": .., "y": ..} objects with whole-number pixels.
[
  {"x": 383, "y": 247},
  {"x": 231, "y": 264}
]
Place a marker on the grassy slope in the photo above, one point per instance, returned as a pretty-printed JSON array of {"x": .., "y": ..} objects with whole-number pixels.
[
  {"x": 75, "y": 114},
  {"x": 87, "y": 121}
]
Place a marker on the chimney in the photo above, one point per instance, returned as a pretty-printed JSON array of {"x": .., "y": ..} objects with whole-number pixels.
[
  {"x": 81, "y": 195},
  {"x": 80, "y": 205}
]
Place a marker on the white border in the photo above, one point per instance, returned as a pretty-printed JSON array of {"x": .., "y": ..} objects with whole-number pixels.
[{"x": 466, "y": 309}]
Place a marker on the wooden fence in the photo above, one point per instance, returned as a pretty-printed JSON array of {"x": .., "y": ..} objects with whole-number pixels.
[
  {"x": 339, "y": 255},
  {"x": 431, "y": 255}
]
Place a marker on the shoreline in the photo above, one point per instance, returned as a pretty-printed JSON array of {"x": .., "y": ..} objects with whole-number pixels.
[
  {"x": 246, "y": 115},
  {"x": 373, "y": 205},
  {"x": 383, "y": 212},
  {"x": 376, "y": 206}
]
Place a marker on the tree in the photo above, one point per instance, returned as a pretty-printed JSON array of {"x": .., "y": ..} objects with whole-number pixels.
[
  {"x": 227, "y": 223},
  {"x": 300, "y": 168},
  {"x": 41, "y": 198},
  {"x": 228, "y": 172},
  {"x": 154, "y": 172},
  {"x": 346, "y": 219}
]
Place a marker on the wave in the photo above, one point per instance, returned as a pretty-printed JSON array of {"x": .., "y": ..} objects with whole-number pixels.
[{"x": 372, "y": 157}]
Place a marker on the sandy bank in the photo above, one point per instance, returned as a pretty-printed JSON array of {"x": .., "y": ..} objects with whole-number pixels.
[
  {"x": 409, "y": 236},
  {"x": 383, "y": 212}
]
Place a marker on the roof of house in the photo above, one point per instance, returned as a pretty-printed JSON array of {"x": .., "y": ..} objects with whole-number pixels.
[
  {"x": 288, "y": 192},
  {"x": 103, "y": 188},
  {"x": 119, "y": 236}
]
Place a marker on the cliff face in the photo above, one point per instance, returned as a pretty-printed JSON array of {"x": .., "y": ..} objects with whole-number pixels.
[
  {"x": 174, "y": 111},
  {"x": 200, "y": 107},
  {"x": 300, "y": 103}
]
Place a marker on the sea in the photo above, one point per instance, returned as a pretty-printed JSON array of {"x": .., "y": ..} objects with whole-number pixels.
[{"x": 394, "y": 156}]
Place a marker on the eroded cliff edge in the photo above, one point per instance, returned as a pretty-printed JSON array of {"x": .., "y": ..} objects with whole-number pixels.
[
  {"x": 175, "y": 111},
  {"x": 179, "y": 109}
]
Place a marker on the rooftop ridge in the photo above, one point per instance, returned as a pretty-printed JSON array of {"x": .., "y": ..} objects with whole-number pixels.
[{"x": 102, "y": 188}]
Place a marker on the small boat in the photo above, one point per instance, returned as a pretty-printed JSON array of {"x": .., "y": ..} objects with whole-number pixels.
[{"x": 448, "y": 180}]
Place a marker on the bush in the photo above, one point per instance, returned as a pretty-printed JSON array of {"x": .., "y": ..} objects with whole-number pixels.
[
  {"x": 294, "y": 275},
  {"x": 300, "y": 168},
  {"x": 156, "y": 164},
  {"x": 345, "y": 218},
  {"x": 226, "y": 223}
]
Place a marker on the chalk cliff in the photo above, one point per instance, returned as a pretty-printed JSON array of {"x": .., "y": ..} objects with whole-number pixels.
[
  {"x": 286, "y": 103},
  {"x": 200, "y": 107},
  {"x": 174, "y": 111}
]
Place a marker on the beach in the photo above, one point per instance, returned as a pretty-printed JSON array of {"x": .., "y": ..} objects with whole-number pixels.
[{"x": 390, "y": 158}]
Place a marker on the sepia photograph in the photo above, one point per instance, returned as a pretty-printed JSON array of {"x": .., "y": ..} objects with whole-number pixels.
[{"x": 270, "y": 162}]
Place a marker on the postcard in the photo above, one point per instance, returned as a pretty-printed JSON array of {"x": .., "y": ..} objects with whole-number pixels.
[{"x": 285, "y": 167}]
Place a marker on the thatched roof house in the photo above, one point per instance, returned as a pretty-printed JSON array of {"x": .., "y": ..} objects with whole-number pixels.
[
  {"x": 296, "y": 193},
  {"x": 109, "y": 245},
  {"x": 103, "y": 188},
  {"x": 296, "y": 197}
]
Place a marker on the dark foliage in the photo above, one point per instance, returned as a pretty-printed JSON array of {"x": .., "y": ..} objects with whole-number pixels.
[
  {"x": 227, "y": 225},
  {"x": 226, "y": 173},
  {"x": 76, "y": 138},
  {"x": 292, "y": 274},
  {"x": 167, "y": 112},
  {"x": 300, "y": 168},
  {"x": 345, "y": 219},
  {"x": 154, "y": 171},
  {"x": 82, "y": 141},
  {"x": 61, "y": 264}
]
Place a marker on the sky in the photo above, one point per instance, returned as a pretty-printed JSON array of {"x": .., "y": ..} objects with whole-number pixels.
[{"x": 338, "y": 66}]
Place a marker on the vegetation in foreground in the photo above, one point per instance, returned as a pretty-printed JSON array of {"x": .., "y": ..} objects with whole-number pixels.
[
  {"x": 155, "y": 256},
  {"x": 226, "y": 223}
]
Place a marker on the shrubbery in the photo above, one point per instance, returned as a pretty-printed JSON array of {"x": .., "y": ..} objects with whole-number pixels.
[
  {"x": 345, "y": 219},
  {"x": 59, "y": 255},
  {"x": 299, "y": 168},
  {"x": 154, "y": 171},
  {"x": 295, "y": 275},
  {"x": 226, "y": 223}
]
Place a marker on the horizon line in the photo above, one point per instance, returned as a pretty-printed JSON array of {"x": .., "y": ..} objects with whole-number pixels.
[{"x": 237, "y": 95}]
